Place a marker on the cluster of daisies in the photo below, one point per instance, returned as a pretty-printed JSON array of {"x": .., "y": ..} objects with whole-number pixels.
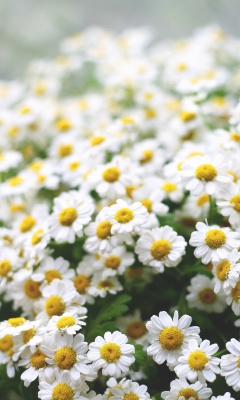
[{"x": 119, "y": 172}]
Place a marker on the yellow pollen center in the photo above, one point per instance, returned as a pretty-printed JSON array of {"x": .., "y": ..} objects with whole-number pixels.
[
  {"x": 222, "y": 270},
  {"x": 148, "y": 204},
  {"x": 235, "y": 136},
  {"x": 37, "y": 359},
  {"x": 103, "y": 230},
  {"x": 25, "y": 110},
  {"x": 65, "y": 358},
  {"x": 36, "y": 166},
  {"x": 171, "y": 338},
  {"x": 62, "y": 391},
  {"x": 74, "y": 165},
  {"x": 6, "y": 343},
  {"x": 188, "y": 393},
  {"x": 65, "y": 322},
  {"x": 95, "y": 141},
  {"x": 111, "y": 174},
  {"x": 111, "y": 352},
  {"x": 128, "y": 120},
  {"x": 131, "y": 396},
  {"x": 187, "y": 116},
  {"x": 39, "y": 89},
  {"x": 160, "y": 249},
  {"x": 129, "y": 190},
  {"x": 15, "y": 208},
  {"x": 206, "y": 172},
  {"x": 5, "y": 267},
  {"x": 202, "y": 200},
  {"x": 150, "y": 113},
  {"x": 81, "y": 283},
  {"x": 235, "y": 201},
  {"x": 67, "y": 216},
  {"x": 27, "y": 223},
  {"x": 197, "y": 360},
  {"x": 63, "y": 125},
  {"x": 112, "y": 262},
  {"x": 235, "y": 292},
  {"x": 18, "y": 321},
  {"x": 31, "y": 289},
  {"x": 65, "y": 150},
  {"x": 136, "y": 329},
  {"x": 215, "y": 238},
  {"x": 124, "y": 215},
  {"x": 105, "y": 285},
  {"x": 52, "y": 274},
  {"x": 146, "y": 156},
  {"x": 169, "y": 187},
  {"x": 15, "y": 181},
  {"x": 207, "y": 296},
  {"x": 13, "y": 131},
  {"x": 54, "y": 306},
  {"x": 37, "y": 237},
  {"x": 28, "y": 335}
]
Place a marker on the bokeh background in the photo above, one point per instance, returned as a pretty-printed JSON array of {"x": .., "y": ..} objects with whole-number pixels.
[{"x": 33, "y": 28}]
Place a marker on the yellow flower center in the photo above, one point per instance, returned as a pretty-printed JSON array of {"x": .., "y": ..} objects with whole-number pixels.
[
  {"x": 65, "y": 358},
  {"x": 63, "y": 125},
  {"x": 52, "y": 274},
  {"x": 15, "y": 208},
  {"x": 207, "y": 296},
  {"x": 65, "y": 150},
  {"x": 206, "y": 172},
  {"x": 40, "y": 89},
  {"x": 233, "y": 175},
  {"x": 65, "y": 322},
  {"x": 124, "y": 215},
  {"x": 222, "y": 270},
  {"x": 25, "y": 110},
  {"x": 13, "y": 131},
  {"x": 38, "y": 359},
  {"x": 31, "y": 289},
  {"x": 54, "y": 306},
  {"x": 129, "y": 190},
  {"x": 35, "y": 166},
  {"x": 160, "y": 249},
  {"x": 62, "y": 391},
  {"x": 128, "y": 120},
  {"x": 28, "y": 335},
  {"x": 103, "y": 230},
  {"x": 147, "y": 156},
  {"x": 6, "y": 343},
  {"x": 134, "y": 273},
  {"x": 37, "y": 237},
  {"x": 5, "y": 267},
  {"x": 238, "y": 362},
  {"x": 112, "y": 262},
  {"x": 169, "y": 187},
  {"x": 171, "y": 338},
  {"x": 150, "y": 113},
  {"x": 18, "y": 321},
  {"x": 111, "y": 174},
  {"x": 235, "y": 292},
  {"x": 111, "y": 352},
  {"x": 95, "y": 141},
  {"x": 105, "y": 285},
  {"x": 27, "y": 223},
  {"x": 136, "y": 329},
  {"x": 81, "y": 283},
  {"x": 202, "y": 200},
  {"x": 188, "y": 393},
  {"x": 215, "y": 238},
  {"x": 148, "y": 204},
  {"x": 235, "y": 136},
  {"x": 197, "y": 360},
  {"x": 41, "y": 178},
  {"x": 131, "y": 396},
  {"x": 67, "y": 216},
  {"x": 15, "y": 181},
  {"x": 74, "y": 165},
  {"x": 187, "y": 116},
  {"x": 235, "y": 201}
]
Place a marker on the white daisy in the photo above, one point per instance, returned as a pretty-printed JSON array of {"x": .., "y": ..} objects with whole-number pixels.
[
  {"x": 101, "y": 238},
  {"x": 233, "y": 298},
  {"x": 213, "y": 243},
  {"x": 84, "y": 273},
  {"x": 68, "y": 323},
  {"x": 101, "y": 286},
  {"x": 115, "y": 262},
  {"x": 229, "y": 205},
  {"x": 182, "y": 390},
  {"x": 230, "y": 364},
  {"x": 170, "y": 336},
  {"x": 130, "y": 391},
  {"x": 6, "y": 354},
  {"x": 160, "y": 247},
  {"x": 198, "y": 363},
  {"x": 112, "y": 354},
  {"x": 50, "y": 269},
  {"x": 226, "y": 396},
  {"x": 227, "y": 272},
  {"x": 134, "y": 327}
]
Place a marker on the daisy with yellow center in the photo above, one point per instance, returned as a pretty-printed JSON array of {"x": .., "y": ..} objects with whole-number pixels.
[
  {"x": 100, "y": 237},
  {"x": 170, "y": 336},
  {"x": 134, "y": 327},
  {"x": 116, "y": 262},
  {"x": 213, "y": 243},
  {"x": 129, "y": 390},
  {"x": 101, "y": 286},
  {"x": 181, "y": 389},
  {"x": 230, "y": 206},
  {"x": 233, "y": 298},
  {"x": 50, "y": 269},
  {"x": 7, "y": 353},
  {"x": 230, "y": 364},
  {"x": 111, "y": 353},
  {"x": 160, "y": 247},
  {"x": 226, "y": 272},
  {"x": 60, "y": 386},
  {"x": 68, "y": 323}
]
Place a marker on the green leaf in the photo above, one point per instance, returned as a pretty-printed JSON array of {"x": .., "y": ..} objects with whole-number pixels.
[{"x": 140, "y": 355}]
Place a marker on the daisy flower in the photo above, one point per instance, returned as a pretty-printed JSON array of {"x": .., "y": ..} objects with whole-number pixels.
[
  {"x": 51, "y": 269},
  {"x": 213, "y": 243},
  {"x": 131, "y": 391},
  {"x": 233, "y": 298},
  {"x": 83, "y": 277},
  {"x": 202, "y": 296},
  {"x": 230, "y": 364},
  {"x": 226, "y": 272},
  {"x": 6, "y": 353},
  {"x": 9, "y": 263},
  {"x": 115, "y": 262},
  {"x": 68, "y": 323},
  {"x": 9, "y": 159},
  {"x": 160, "y": 247},
  {"x": 230, "y": 206},
  {"x": 226, "y": 396},
  {"x": 112, "y": 354},
  {"x": 198, "y": 363},
  {"x": 180, "y": 389},
  {"x": 71, "y": 211},
  {"x": 100, "y": 237},
  {"x": 205, "y": 175},
  {"x": 134, "y": 327},
  {"x": 100, "y": 286},
  {"x": 170, "y": 337}
]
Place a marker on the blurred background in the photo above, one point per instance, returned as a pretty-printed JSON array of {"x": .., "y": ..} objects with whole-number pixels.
[{"x": 32, "y": 29}]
